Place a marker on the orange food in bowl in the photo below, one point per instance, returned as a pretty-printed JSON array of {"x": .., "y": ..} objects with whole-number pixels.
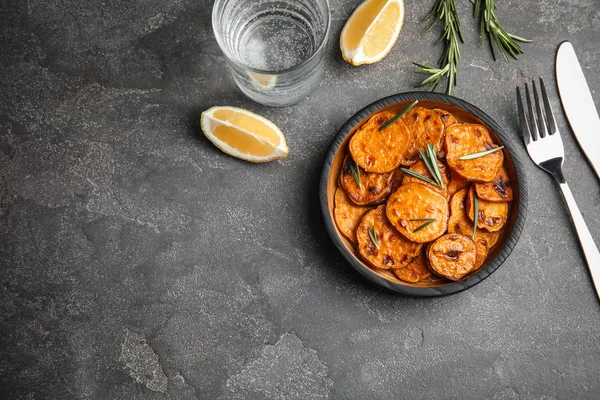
[{"x": 430, "y": 206}]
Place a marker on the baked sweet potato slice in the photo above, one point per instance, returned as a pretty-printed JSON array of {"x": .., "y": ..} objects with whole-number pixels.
[
  {"x": 482, "y": 249},
  {"x": 456, "y": 183},
  {"x": 347, "y": 215},
  {"x": 390, "y": 249},
  {"x": 453, "y": 256},
  {"x": 380, "y": 150},
  {"x": 421, "y": 168},
  {"x": 499, "y": 190},
  {"x": 447, "y": 118},
  {"x": 491, "y": 216},
  {"x": 425, "y": 126},
  {"x": 459, "y": 222},
  {"x": 415, "y": 271},
  {"x": 397, "y": 180},
  {"x": 465, "y": 139},
  {"x": 374, "y": 188},
  {"x": 412, "y": 206}
]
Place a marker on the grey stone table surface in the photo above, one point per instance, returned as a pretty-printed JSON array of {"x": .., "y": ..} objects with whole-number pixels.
[{"x": 139, "y": 262}]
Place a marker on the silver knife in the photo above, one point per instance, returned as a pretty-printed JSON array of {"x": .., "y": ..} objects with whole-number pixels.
[{"x": 578, "y": 103}]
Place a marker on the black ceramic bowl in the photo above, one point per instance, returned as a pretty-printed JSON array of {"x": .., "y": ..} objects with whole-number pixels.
[{"x": 465, "y": 112}]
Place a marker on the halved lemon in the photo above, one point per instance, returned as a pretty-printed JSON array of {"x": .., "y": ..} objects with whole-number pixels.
[
  {"x": 243, "y": 134},
  {"x": 371, "y": 31}
]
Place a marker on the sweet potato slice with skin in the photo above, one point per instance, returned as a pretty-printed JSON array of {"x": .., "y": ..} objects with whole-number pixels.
[
  {"x": 491, "y": 216},
  {"x": 447, "y": 118},
  {"x": 482, "y": 251},
  {"x": 456, "y": 183},
  {"x": 459, "y": 222},
  {"x": 380, "y": 151},
  {"x": 453, "y": 256},
  {"x": 499, "y": 190},
  {"x": 398, "y": 178},
  {"x": 425, "y": 126},
  {"x": 394, "y": 251},
  {"x": 422, "y": 169},
  {"x": 416, "y": 201},
  {"x": 374, "y": 188},
  {"x": 415, "y": 271},
  {"x": 465, "y": 139},
  {"x": 347, "y": 214}
]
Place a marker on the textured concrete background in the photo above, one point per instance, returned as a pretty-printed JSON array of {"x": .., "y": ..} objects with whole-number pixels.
[{"x": 138, "y": 261}]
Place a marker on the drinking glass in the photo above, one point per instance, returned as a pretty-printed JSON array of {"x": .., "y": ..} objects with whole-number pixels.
[{"x": 274, "y": 48}]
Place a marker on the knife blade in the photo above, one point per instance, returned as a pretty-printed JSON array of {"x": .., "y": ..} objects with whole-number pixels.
[{"x": 578, "y": 103}]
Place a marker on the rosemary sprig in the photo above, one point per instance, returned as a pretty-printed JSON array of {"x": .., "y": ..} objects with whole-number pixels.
[
  {"x": 425, "y": 225},
  {"x": 355, "y": 173},
  {"x": 445, "y": 11},
  {"x": 418, "y": 175},
  {"x": 484, "y": 10},
  {"x": 373, "y": 236},
  {"x": 430, "y": 159},
  {"x": 400, "y": 114},
  {"x": 476, "y": 210},
  {"x": 481, "y": 153}
]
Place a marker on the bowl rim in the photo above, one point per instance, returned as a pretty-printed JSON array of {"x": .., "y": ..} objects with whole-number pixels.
[{"x": 366, "y": 272}]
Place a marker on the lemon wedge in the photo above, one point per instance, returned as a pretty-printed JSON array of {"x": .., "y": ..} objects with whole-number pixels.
[
  {"x": 371, "y": 31},
  {"x": 262, "y": 81},
  {"x": 243, "y": 134}
]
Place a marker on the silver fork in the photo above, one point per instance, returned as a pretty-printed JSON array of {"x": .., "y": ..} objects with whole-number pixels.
[{"x": 545, "y": 148}]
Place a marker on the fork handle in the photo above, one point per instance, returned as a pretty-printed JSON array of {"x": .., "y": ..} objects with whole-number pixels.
[{"x": 592, "y": 255}]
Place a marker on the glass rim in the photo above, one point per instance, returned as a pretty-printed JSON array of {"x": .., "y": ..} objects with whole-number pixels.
[{"x": 231, "y": 59}]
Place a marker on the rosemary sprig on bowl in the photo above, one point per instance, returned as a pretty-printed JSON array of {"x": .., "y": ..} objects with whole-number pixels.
[
  {"x": 425, "y": 225},
  {"x": 444, "y": 10},
  {"x": 355, "y": 173},
  {"x": 476, "y": 213},
  {"x": 373, "y": 236},
  {"x": 484, "y": 10},
  {"x": 430, "y": 159},
  {"x": 400, "y": 114},
  {"x": 481, "y": 153},
  {"x": 419, "y": 176}
]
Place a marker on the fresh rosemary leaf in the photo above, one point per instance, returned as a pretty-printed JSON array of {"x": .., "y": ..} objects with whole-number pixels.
[
  {"x": 355, "y": 173},
  {"x": 425, "y": 158},
  {"x": 372, "y": 236},
  {"x": 445, "y": 11},
  {"x": 400, "y": 114},
  {"x": 418, "y": 175},
  {"x": 481, "y": 153},
  {"x": 430, "y": 159},
  {"x": 432, "y": 151},
  {"x": 499, "y": 38},
  {"x": 476, "y": 211},
  {"x": 425, "y": 225}
]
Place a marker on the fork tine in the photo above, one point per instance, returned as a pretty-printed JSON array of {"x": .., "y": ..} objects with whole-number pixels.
[
  {"x": 551, "y": 122},
  {"x": 523, "y": 118},
  {"x": 533, "y": 126},
  {"x": 540, "y": 112}
]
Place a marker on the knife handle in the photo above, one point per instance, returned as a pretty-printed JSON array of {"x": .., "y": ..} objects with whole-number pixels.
[{"x": 592, "y": 255}]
